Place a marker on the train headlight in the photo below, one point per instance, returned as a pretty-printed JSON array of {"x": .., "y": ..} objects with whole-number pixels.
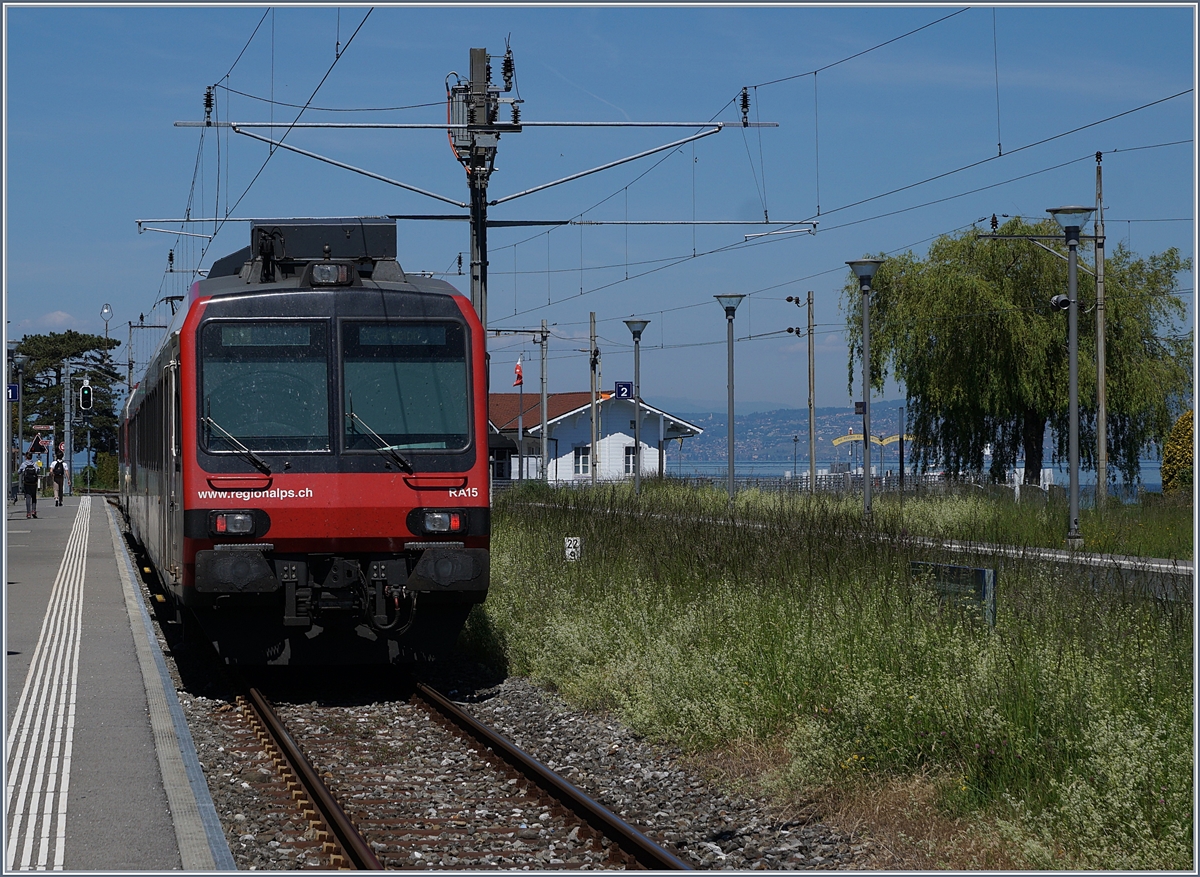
[
  {"x": 445, "y": 521},
  {"x": 231, "y": 524},
  {"x": 330, "y": 274}
]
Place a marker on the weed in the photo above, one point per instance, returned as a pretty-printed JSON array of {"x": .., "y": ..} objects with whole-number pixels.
[{"x": 784, "y": 618}]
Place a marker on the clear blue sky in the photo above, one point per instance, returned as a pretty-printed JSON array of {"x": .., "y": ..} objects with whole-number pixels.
[{"x": 92, "y": 94}]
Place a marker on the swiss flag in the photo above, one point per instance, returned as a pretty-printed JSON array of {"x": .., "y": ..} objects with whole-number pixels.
[{"x": 520, "y": 378}]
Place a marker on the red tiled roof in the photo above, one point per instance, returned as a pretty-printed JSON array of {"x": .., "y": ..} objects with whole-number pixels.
[{"x": 504, "y": 407}]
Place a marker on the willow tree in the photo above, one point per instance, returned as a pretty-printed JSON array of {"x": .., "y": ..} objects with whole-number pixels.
[{"x": 970, "y": 334}]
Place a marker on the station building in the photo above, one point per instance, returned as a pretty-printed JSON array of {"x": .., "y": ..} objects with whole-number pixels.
[{"x": 515, "y": 442}]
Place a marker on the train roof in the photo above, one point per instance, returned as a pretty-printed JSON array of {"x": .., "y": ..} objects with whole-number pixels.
[{"x": 282, "y": 251}]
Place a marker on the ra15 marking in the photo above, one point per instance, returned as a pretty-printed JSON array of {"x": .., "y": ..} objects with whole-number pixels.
[{"x": 466, "y": 491}]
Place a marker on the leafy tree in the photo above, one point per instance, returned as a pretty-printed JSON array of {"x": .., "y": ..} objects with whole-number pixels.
[
  {"x": 970, "y": 333},
  {"x": 44, "y": 377}
]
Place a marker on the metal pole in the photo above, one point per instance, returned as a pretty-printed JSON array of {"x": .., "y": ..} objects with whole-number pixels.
[
  {"x": 479, "y": 246},
  {"x": 593, "y": 356},
  {"x": 1101, "y": 399},
  {"x": 545, "y": 409},
  {"x": 729, "y": 320},
  {"x": 1074, "y": 540},
  {"x": 69, "y": 436},
  {"x": 521, "y": 430},
  {"x": 812, "y": 427},
  {"x": 637, "y": 413},
  {"x": 7, "y": 422},
  {"x": 866, "y": 334},
  {"x": 795, "y": 451},
  {"x": 21, "y": 411}
]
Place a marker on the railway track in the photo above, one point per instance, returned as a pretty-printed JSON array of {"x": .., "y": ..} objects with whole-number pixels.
[{"x": 357, "y": 803}]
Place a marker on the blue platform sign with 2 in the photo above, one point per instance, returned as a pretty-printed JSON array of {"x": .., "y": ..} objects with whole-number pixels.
[{"x": 624, "y": 389}]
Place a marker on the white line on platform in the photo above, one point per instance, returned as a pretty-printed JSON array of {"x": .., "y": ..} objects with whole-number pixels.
[{"x": 43, "y": 729}]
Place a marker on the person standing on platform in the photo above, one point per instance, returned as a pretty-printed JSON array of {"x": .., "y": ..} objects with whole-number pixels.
[
  {"x": 58, "y": 471},
  {"x": 28, "y": 476}
]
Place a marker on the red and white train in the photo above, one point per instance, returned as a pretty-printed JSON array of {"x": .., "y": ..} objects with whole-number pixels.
[{"x": 305, "y": 460}]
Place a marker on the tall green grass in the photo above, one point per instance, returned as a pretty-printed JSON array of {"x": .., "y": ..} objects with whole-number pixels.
[{"x": 1068, "y": 725}]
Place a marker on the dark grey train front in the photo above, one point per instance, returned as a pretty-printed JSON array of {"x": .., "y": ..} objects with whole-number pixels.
[{"x": 305, "y": 459}]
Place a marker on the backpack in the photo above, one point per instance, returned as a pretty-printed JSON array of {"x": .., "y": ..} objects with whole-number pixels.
[
  {"x": 29, "y": 478},
  {"x": 58, "y": 470}
]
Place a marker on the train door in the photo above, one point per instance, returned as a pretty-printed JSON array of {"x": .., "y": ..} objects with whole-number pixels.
[{"x": 172, "y": 471}]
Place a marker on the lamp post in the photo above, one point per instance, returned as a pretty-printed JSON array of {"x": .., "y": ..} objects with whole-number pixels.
[
  {"x": 21, "y": 360},
  {"x": 730, "y": 304},
  {"x": 795, "y": 450},
  {"x": 1071, "y": 220},
  {"x": 864, "y": 270},
  {"x": 637, "y": 327}
]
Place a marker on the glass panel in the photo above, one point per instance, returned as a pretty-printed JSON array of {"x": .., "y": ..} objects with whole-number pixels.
[
  {"x": 408, "y": 383},
  {"x": 267, "y": 384}
]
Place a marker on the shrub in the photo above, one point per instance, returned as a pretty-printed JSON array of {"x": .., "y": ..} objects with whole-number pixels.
[{"x": 1177, "y": 456}]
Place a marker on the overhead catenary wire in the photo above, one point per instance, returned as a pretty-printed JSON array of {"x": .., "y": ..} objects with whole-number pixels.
[
  {"x": 267, "y": 100},
  {"x": 863, "y": 52},
  {"x": 271, "y": 153}
]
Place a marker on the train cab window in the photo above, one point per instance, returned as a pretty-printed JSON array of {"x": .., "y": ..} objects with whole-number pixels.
[
  {"x": 265, "y": 383},
  {"x": 406, "y": 382}
]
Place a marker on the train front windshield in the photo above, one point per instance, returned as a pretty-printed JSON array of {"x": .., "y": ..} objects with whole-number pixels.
[
  {"x": 405, "y": 385},
  {"x": 268, "y": 385},
  {"x": 265, "y": 384}
]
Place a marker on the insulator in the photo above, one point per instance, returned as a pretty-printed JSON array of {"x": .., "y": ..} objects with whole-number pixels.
[
  {"x": 745, "y": 108},
  {"x": 488, "y": 69},
  {"x": 995, "y": 222},
  {"x": 516, "y": 114},
  {"x": 460, "y": 263},
  {"x": 493, "y": 110},
  {"x": 208, "y": 105},
  {"x": 507, "y": 70},
  {"x": 171, "y": 260},
  {"x": 470, "y": 112}
]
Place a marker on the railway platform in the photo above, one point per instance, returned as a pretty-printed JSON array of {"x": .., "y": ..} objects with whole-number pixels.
[{"x": 100, "y": 770}]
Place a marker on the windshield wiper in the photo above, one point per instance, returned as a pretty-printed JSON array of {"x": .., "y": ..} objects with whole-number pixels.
[
  {"x": 384, "y": 447},
  {"x": 240, "y": 448}
]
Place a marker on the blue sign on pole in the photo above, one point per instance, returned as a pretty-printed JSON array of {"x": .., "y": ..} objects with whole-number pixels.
[
  {"x": 624, "y": 389},
  {"x": 14, "y": 392}
]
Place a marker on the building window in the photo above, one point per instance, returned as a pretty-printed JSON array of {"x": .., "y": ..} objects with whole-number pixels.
[
  {"x": 630, "y": 460},
  {"x": 583, "y": 460}
]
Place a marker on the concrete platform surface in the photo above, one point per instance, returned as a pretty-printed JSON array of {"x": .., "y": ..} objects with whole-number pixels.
[{"x": 100, "y": 770}]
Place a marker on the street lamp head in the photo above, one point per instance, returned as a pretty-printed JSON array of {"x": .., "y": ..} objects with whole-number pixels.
[
  {"x": 730, "y": 303},
  {"x": 1071, "y": 217},
  {"x": 20, "y": 361},
  {"x": 864, "y": 269},
  {"x": 106, "y": 312},
  {"x": 1062, "y": 302},
  {"x": 637, "y": 327}
]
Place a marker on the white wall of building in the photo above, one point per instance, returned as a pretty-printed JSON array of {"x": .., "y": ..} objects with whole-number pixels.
[{"x": 615, "y": 435}]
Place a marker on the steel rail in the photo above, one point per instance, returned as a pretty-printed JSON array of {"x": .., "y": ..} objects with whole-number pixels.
[
  {"x": 635, "y": 844},
  {"x": 356, "y": 848}
]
